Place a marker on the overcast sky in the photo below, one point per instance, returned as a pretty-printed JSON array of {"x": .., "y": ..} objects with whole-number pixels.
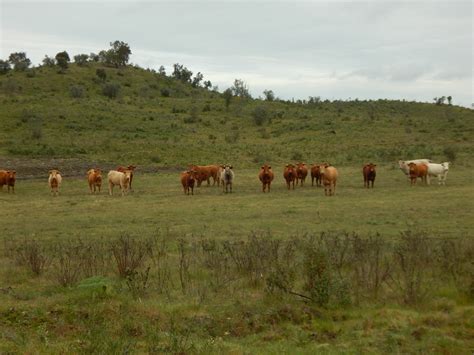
[{"x": 413, "y": 50}]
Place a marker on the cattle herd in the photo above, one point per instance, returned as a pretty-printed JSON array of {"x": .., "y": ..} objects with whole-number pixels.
[{"x": 323, "y": 174}]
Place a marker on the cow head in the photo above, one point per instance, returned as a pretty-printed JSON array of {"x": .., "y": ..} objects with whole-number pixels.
[
  {"x": 412, "y": 168},
  {"x": 445, "y": 165},
  {"x": 131, "y": 167},
  {"x": 11, "y": 174},
  {"x": 127, "y": 174},
  {"x": 370, "y": 167},
  {"x": 266, "y": 168},
  {"x": 54, "y": 172}
]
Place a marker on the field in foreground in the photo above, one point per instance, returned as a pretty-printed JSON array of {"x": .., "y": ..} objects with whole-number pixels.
[{"x": 241, "y": 272}]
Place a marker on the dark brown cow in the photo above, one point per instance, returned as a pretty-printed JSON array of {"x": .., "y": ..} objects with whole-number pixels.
[
  {"x": 417, "y": 171},
  {"x": 369, "y": 174},
  {"x": 289, "y": 174},
  {"x": 132, "y": 169},
  {"x": 188, "y": 179},
  {"x": 8, "y": 177},
  {"x": 266, "y": 177},
  {"x": 301, "y": 173},
  {"x": 316, "y": 175}
]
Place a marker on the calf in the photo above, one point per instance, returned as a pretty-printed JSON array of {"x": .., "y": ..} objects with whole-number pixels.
[
  {"x": 289, "y": 173},
  {"x": 266, "y": 177},
  {"x": 119, "y": 178},
  {"x": 301, "y": 173},
  {"x": 187, "y": 180},
  {"x": 329, "y": 177},
  {"x": 369, "y": 174},
  {"x": 417, "y": 171},
  {"x": 227, "y": 178},
  {"x": 94, "y": 178},
  {"x": 8, "y": 177},
  {"x": 316, "y": 175},
  {"x": 54, "y": 181}
]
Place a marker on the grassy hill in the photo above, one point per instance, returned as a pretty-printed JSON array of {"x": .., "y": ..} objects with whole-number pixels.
[{"x": 159, "y": 121}]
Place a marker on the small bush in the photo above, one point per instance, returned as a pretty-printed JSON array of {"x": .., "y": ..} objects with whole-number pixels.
[
  {"x": 450, "y": 153},
  {"x": 260, "y": 115},
  {"x": 101, "y": 74},
  {"x": 232, "y": 137},
  {"x": 111, "y": 90},
  {"x": 33, "y": 255},
  {"x": 129, "y": 254},
  {"x": 76, "y": 91},
  {"x": 165, "y": 92},
  {"x": 297, "y": 156}
]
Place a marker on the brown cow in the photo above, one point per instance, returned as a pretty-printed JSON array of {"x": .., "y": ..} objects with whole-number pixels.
[
  {"x": 417, "y": 171},
  {"x": 266, "y": 177},
  {"x": 289, "y": 173},
  {"x": 8, "y": 177},
  {"x": 316, "y": 174},
  {"x": 187, "y": 180},
  {"x": 329, "y": 176},
  {"x": 131, "y": 168},
  {"x": 205, "y": 172},
  {"x": 54, "y": 181},
  {"x": 301, "y": 173},
  {"x": 94, "y": 178},
  {"x": 369, "y": 174}
]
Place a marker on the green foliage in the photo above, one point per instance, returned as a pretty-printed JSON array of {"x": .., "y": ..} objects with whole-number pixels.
[
  {"x": 4, "y": 67},
  {"x": 48, "y": 61},
  {"x": 62, "y": 59},
  {"x": 120, "y": 53},
  {"x": 227, "y": 94},
  {"x": 241, "y": 89},
  {"x": 111, "y": 90},
  {"x": 81, "y": 59},
  {"x": 260, "y": 115},
  {"x": 19, "y": 61},
  {"x": 181, "y": 73},
  {"x": 269, "y": 95},
  {"x": 76, "y": 91},
  {"x": 101, "y": 74}
]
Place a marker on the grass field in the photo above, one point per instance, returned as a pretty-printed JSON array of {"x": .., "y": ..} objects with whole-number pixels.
[
  {"x": 236, "y": 315},
  {"x": 158, "y": 202}
]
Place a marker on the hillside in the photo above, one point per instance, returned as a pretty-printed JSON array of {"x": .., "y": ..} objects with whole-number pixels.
[{"x": 41, "y": 119}]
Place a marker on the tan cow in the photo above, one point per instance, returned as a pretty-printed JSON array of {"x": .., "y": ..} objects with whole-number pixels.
[
  {"x": 94, "y": 178},
  {"x": 54, "y": 181},
  {"x": 119, "y": 178},
  {"x": 8, "y": 177},
  {"x": 131, "y": 168},
  {"x": 329, "y": 177}
]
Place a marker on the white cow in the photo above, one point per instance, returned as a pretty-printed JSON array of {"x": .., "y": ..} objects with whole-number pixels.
[
  {"x": 119, "y": 178},
  {"x": 227, "y": 178},
  {"x": 439, "y": 170},
  {"x": 403, "y": 164}
]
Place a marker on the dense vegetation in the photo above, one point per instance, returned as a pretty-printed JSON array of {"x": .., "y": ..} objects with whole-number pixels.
[
  {"x": 128, "y": 114},
  {"x": 382, "y": 270}
]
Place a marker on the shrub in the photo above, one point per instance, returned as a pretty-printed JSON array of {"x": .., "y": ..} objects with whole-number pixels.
[
  {"x": 260, "y": 115},
  {"x": 33, "y": 255},
  {"x": 111, "y": 90},
  {"x": 101, "y": 74},
  {"x": 450, "y": 153},
  {"x": 76, "y": 91},
  {"x": 165, "y": 92},
  {"x": 129, "y": 254}
]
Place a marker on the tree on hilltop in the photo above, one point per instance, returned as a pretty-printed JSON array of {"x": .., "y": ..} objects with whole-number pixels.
[
  {"x": 62, "y": 58},
  {"x": 19, "y": 61}
]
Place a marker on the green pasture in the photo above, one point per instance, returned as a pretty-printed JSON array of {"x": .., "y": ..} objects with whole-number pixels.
[{"x": 158, "y": 202}]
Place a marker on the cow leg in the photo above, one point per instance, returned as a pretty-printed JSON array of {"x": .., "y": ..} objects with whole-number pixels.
[{"x": 111, "y": 188}]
